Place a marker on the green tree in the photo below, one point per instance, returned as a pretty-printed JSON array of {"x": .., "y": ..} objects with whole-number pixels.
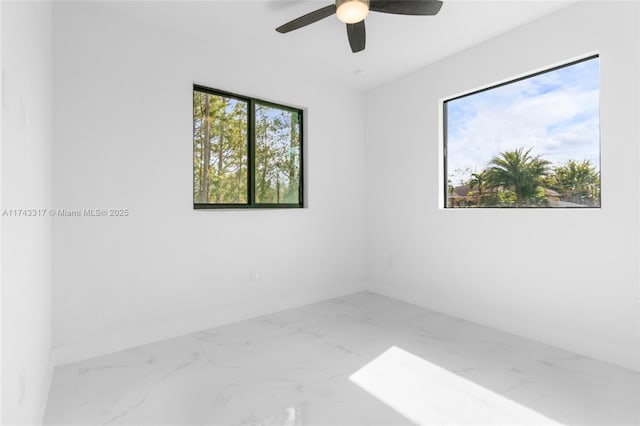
[
  {"x": 277, "y": 155},
  {"x": 519, "y": 171},
  {"x": 578, "y": 182},
  {"x": 478, "y": 180},
  {"x": 219, "y": 149}
]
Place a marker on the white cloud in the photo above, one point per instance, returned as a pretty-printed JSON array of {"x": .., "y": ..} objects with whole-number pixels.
[{"x": 559, "y": 125}]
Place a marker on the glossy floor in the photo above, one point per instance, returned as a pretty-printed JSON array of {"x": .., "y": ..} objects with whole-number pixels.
[{"x": 297, "y": 368}]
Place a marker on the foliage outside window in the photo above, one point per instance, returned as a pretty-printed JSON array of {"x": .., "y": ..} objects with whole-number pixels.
[
  {"x": 246, "y": 152},
  {"x": 530, "y": 142}
]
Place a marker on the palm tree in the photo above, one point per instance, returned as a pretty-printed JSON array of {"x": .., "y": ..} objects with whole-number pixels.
[
  {"x": 519, "y": 171},
  {"x": 478, "y": 179}
]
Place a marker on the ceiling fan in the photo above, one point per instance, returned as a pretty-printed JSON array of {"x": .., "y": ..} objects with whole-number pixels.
[{"x": 353, "y": 12}]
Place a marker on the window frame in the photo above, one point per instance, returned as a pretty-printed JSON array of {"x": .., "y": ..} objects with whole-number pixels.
[
  {"x": 251, "y": 148},
  {"x": 444, "y": 129}
]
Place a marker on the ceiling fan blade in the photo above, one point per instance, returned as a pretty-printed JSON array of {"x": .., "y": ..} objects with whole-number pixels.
[
  {"x": 307, "y": 19},
  {"x": 406, "y": 7},
  {"x": 357, "y": 36}
]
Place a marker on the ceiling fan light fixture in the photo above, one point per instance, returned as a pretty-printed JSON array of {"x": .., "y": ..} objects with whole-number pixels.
[{"x": 352, "y": 11}]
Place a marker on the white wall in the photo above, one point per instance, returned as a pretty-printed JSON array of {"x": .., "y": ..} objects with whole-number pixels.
[
  {"x": 25, "y": 154},
  {"x": 565, "y": 277},
  {"x": 123, "y": 139}
]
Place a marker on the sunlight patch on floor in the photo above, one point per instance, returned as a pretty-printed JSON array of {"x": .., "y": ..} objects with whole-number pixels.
[{"x": 427, "y": 394}]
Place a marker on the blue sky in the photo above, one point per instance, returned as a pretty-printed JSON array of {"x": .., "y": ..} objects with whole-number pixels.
[{"x": 555, "y": 113}]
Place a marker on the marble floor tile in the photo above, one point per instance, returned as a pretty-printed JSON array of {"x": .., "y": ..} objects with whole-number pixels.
[{"x": 294, "y": 368}]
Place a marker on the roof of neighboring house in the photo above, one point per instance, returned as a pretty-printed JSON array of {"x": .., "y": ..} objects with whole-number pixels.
[
  {"x": 551, "y": 192},
  {"x": 462, "y": 190}
]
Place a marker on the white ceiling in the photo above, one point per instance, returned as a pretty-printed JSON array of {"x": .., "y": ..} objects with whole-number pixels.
[{"x": 396, "y": 45}]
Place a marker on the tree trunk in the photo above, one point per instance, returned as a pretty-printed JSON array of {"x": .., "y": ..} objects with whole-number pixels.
[
  {"x": 206, "y": 155},
  {"x": 220, "y": 160},
  {"x": 518, "y": 197},
  {"x": 295, "y": 139},
  {"x": 264, "y": 178}
]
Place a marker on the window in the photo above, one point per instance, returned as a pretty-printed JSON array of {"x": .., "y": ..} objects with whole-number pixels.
[
  {"x": 247, "y": 153},
  {"x": 529, "y": 142}
]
